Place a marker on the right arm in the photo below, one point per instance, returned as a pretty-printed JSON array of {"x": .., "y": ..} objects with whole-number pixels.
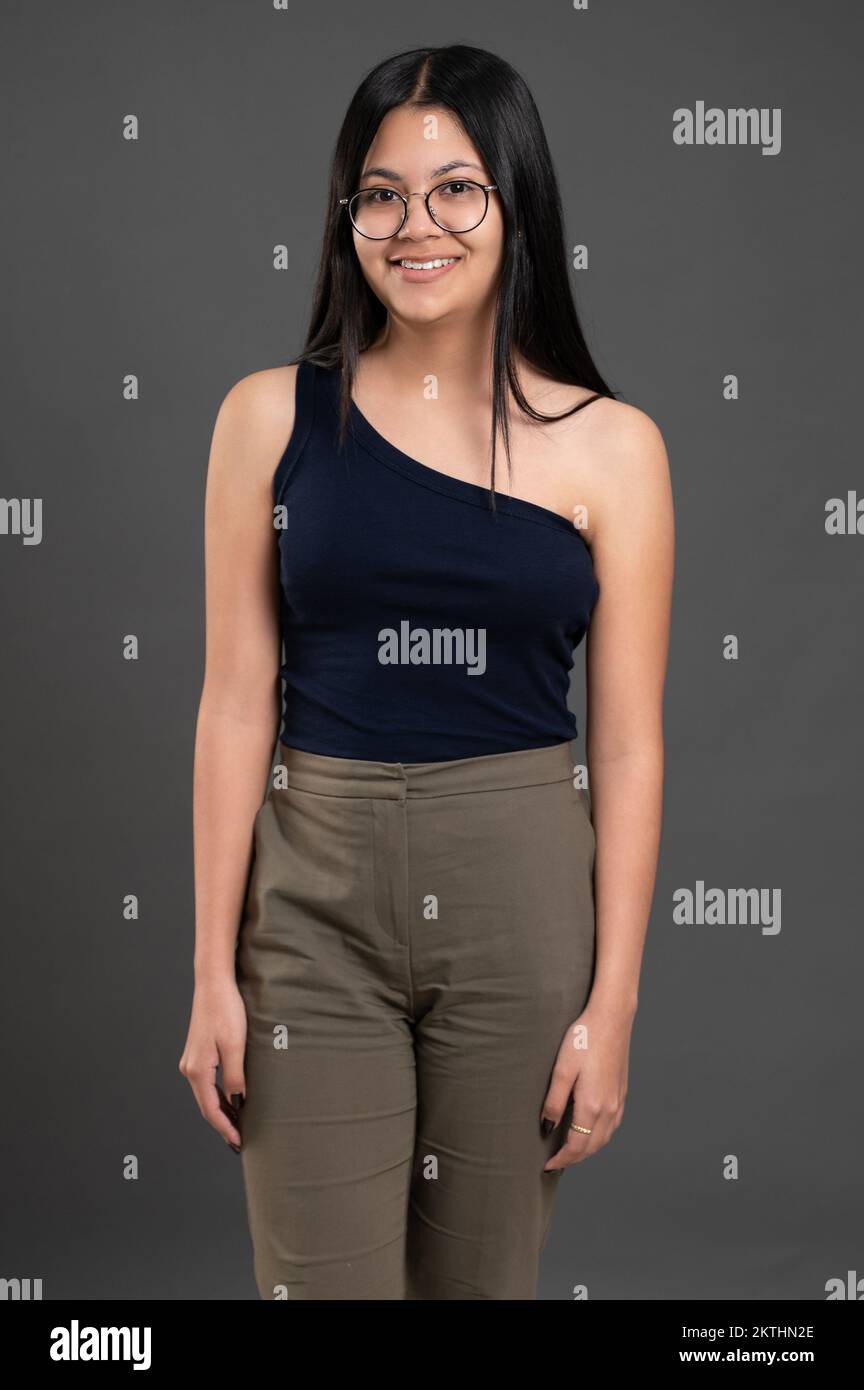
[{"x": 238, "y": 716}]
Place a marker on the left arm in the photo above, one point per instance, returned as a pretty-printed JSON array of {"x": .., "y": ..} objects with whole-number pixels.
[{"x": 631, "y": 535}]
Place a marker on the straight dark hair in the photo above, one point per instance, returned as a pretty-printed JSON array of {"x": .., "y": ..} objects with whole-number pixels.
[{"x": 535, "y": 314}]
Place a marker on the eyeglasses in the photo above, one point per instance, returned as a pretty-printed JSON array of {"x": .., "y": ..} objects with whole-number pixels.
[{"x": 456, "y": 206}]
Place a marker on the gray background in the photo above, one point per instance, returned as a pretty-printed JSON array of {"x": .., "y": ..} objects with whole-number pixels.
[{"x": 155, "y": 257}]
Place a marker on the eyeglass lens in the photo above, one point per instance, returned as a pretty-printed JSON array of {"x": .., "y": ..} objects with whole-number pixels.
[{"x": 456, "y": 207}]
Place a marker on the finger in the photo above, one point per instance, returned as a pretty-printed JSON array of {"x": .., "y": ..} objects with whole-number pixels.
[
  {"x": 222, "y": 1116},
  {"x": 557, "y": 1099},
  {"x": 214, "y": 1107},
  {"x": 575, "y": 1145},
  {"x": 233, "y": 1079},
  {"x": 229, "y": 1109}
]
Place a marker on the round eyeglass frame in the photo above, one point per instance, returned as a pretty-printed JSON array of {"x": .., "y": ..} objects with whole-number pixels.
[{"x": 486, "y": 187}]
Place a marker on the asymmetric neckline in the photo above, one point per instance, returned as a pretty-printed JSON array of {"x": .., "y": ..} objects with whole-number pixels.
[
  {"x": 394, "y": 587},
  {"x": 473, "y": 493}
]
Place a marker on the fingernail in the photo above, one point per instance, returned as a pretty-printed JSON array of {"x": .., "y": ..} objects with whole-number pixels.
[
  {"x": 547, "y": 1127},
  {"x": 233, "y": 1146},
  {"x": 238, "y": 1100}
]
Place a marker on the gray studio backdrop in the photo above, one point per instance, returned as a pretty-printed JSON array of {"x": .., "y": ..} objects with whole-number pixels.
[{"x": 721, "y": 297}]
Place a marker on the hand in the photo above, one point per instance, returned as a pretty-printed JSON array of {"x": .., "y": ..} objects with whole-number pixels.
[
  {"x": 217, "y": 1036},
  {"x": 592, "y": 1067}
]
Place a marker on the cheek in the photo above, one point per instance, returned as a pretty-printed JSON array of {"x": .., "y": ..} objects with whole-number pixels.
[
  {"x": 487, "y": 241},
  {"x": 486, "y": 258},
  {"x": 383, "y": 285},
  {"x": 369, "y": 258},
  {"x": 365, "y": 263}
]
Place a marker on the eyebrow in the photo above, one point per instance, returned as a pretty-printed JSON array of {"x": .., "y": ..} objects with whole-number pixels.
[{"x": 380, "y": 173}]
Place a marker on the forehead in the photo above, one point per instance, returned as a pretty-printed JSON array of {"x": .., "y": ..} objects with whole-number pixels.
[{"x": 418, "y": 142}]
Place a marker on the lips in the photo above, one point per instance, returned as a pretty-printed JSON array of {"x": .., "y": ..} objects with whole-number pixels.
[{"x": 421, "y": 268}]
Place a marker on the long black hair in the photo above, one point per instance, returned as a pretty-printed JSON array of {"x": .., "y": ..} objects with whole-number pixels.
[{"x": 536, "y": 314}]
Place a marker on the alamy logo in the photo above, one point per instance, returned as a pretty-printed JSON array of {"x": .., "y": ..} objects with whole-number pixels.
[
  {"x": 20, "y": 1290},
  {"x": 728, "y": 907},
  {"x": 22, "y": 516},
  {"x": 76, "y": 1343},
  {"x": 737, "y": 126},
  {"x": 438, "y": 646},
  {"x": 849, "y": 1288},
  {"x": 845, "y": 517}
]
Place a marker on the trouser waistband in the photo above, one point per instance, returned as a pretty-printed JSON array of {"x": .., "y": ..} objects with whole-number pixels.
[{"x": 327, "y": 776}]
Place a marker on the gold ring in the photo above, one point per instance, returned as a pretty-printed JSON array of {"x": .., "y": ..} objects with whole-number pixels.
[{"x": 581, "y": 1129}]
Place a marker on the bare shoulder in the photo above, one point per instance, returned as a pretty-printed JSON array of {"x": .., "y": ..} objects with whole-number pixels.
[
  {"x": 627, "y": 440},
  {"x": 611, "y": 423},
  {"x": 254, "y": 422},
  {"x": 262, "y": 402},
  {"x": 612, "y": 455},
  {"x": 624, "y": 437},
  {"x": 627, "y": 478}
]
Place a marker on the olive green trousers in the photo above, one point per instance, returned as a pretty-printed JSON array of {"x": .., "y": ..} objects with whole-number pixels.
[{"x": 415, "y": 941}]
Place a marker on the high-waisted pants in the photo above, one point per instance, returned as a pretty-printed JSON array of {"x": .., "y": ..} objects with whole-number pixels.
[{"x": 416, "y": 940}]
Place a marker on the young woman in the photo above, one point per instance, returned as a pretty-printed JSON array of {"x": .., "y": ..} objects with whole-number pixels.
[{"x": 417, "y": 961}]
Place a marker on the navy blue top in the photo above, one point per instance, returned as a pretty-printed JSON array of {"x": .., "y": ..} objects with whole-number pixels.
[{"x": 418, "y": 625}]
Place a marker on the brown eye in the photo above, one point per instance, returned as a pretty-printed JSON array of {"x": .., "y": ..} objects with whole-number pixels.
[
  {"x": 456, "y": 190},
  {"x": 377, "y": 197}
]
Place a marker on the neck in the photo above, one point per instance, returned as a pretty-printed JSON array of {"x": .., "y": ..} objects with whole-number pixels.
[{"x": 457, "y": 355}]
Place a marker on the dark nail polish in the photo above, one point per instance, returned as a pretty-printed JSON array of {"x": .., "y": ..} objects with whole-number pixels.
[
  {"x": 233, "y": 1146},
  {"x": 238, "y": 1100},
  {"x": 547, "y": 1127}
]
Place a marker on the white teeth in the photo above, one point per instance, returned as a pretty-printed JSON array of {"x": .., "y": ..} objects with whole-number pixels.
[{"x": 427, "y": 265}]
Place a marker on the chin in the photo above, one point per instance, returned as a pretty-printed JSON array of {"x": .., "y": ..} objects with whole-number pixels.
[
  {"x": 426, "y": 313},
  {"x": 422, "y": 308}
]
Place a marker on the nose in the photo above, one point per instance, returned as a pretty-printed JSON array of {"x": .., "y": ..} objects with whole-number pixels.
[{"x": 418, "y": 223}]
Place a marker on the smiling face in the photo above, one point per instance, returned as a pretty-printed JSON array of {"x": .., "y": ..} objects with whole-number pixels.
[{"x": 401, "y": 158}]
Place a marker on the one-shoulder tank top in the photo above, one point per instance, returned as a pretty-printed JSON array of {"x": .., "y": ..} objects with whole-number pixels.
[{"x": 418, "y": 624}]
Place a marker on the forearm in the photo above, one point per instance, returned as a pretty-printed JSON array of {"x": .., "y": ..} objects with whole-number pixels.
[
  {"x": 234, "y": 744},
  {"x": 626, "y": 805}
]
